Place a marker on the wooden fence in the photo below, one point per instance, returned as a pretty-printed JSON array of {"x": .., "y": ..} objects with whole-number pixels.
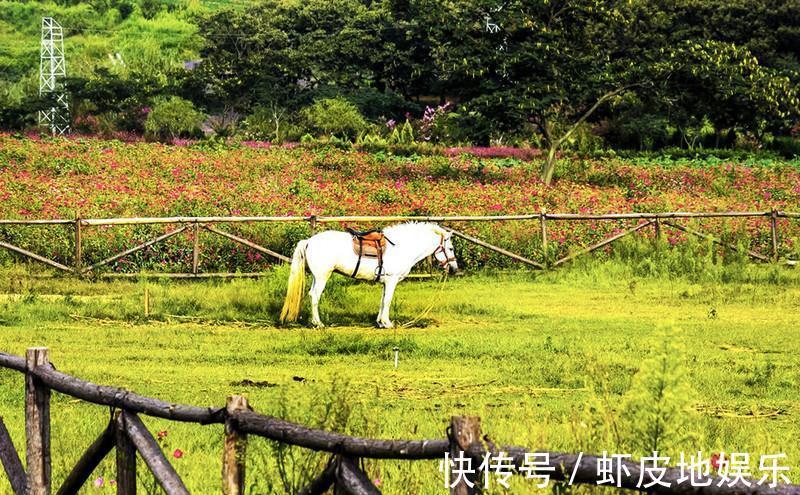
[
  {"x": 658, "y": 221},
  {"x": 127, "y": 434}
]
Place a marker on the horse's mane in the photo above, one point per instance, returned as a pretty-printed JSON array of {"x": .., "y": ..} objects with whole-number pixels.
[{"x": 408, "y": 228}]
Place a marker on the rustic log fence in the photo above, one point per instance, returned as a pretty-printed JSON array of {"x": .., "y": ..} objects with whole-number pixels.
[
  {"x": 658, "y": 221},
  {"x": 127, "y": 434}
]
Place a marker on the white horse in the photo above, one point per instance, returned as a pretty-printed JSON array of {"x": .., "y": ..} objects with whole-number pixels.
[{"x": 332, "y": 250}]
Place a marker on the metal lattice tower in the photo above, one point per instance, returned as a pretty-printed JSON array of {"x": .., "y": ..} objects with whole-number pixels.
[{"x": 52, "y": 71}]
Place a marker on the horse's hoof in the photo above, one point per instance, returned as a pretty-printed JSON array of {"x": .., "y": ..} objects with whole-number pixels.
[
  {"x": 318, "y": 324},
  {"x": 385, "y": 324}
]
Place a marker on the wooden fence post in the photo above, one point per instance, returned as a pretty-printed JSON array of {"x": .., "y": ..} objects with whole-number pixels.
[
  {"x": 235, "y": 446},
  {"x": 351, "y": 480},
  {"x": 543, "y": 227},
  {"x": 146, "y": 445},
  {"x": 89, "y": 461},
  {"x": 657, "y": 228},
  {"x": 12, "y": 465},
  {"x": 37, "y": 424},
  {"x": 126, "y": 458},
  {"x": 773, "y": 222},
  {"x": 195, "y": 247},
  {"x": 312, "y": 220},
  {"x": 78, "y": 245},
  {"x": 464, "y": 432}
]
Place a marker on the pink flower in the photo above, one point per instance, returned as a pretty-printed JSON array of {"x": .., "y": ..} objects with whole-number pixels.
[
  {"x": 177, "y": 454},
  {"x": 98, "y": 482}
]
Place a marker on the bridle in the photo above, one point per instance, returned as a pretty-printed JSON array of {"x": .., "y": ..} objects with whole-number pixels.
[{"x": 440, "y": 247}]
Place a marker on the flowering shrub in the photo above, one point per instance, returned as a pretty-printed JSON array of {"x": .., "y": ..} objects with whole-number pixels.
[
  {"x": 431, "y": 125},
  {"x": 64, "y": 178}
]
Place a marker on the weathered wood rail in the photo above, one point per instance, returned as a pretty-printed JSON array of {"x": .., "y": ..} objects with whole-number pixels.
[
  {"x": 211, "y": 225},
  {"x": 127, "y": 434}
]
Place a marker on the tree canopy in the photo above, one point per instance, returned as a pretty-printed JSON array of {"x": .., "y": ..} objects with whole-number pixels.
[{"x": 634, "y": 73}]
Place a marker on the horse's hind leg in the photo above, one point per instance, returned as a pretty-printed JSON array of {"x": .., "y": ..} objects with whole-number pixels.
[{"x": 320, "y": 279}]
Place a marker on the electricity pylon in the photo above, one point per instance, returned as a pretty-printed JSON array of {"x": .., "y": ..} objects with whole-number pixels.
[{"x": 52, "y": 71}]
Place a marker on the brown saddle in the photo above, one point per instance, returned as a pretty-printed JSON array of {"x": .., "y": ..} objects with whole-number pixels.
[{"x": 369, "y": 244}]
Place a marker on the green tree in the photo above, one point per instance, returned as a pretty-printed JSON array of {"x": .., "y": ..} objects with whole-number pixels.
[
  {"x": 335, "y": 117},
  {"x": 281, "y": 52},
  {"x": 550, "y": 63},
  {"x": 556, "y": 64},
  {"x": 727, "y": 84},
  {"x": 171, "y": 118}
]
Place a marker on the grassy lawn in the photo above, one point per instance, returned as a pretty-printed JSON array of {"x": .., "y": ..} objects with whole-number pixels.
[{"x": 546, "y": 360}]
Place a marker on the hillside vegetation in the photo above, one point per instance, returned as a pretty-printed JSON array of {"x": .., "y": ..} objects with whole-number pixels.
[{"x": 597, "y": 74}]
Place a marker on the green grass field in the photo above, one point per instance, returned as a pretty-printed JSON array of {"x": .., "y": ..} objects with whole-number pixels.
[{"x": 558, "y": 361}]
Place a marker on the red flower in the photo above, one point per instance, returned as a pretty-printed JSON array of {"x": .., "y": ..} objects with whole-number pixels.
[
  {"x": 177, "y": 454},
  {"x": 715, "y": 461},
  {"x": 162, "y": 434}
]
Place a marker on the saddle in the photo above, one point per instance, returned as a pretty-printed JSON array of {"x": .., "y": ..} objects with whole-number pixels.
[{"x": 369, "y": 244}]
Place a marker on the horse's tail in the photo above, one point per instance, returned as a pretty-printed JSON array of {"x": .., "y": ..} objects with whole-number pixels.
[{"x": 296, "y": 286}]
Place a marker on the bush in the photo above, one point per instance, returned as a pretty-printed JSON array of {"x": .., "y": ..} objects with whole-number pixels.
[
  {"x": 786, "y": 146},
  {"x": 373, "y": 104},
  {"x": 335, "y": 117},
  {"x": 224, "y": 124},
  {"x": 150, "y": 8},
  {"x": 271, "y": 123},
  {"x": 19, "y": 114},
  {"x": 125, "y": 10},
  {"x": 172, "y": 118}
]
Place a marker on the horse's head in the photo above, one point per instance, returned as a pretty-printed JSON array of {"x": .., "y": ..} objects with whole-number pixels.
[{"x": 444, "y": 252}]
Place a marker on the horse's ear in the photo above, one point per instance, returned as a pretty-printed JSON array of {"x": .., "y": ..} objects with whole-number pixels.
[{"x": 442, "y": 232}]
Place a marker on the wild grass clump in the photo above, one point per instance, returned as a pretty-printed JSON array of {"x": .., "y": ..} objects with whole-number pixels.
[
  {"x": 698, "y": 261},
  {"x": 654, "y": 414},
  {"x": 278, "y": 468}
]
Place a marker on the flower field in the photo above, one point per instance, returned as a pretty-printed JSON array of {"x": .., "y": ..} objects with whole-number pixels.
[{"x": 91, "y": 178}]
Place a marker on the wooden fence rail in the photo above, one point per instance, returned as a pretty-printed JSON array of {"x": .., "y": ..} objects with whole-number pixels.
[
  {"x": 127, "y": 433},
  {"x": 210, "y": 225}
]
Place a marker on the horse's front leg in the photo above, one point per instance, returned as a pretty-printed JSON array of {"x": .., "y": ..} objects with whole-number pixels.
[{"x": 389, "y": 284}]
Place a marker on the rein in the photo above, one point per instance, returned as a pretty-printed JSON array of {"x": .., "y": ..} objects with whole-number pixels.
[
  {"x": 435, "y": 300},
  {"x": 428, "y": 309}
]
